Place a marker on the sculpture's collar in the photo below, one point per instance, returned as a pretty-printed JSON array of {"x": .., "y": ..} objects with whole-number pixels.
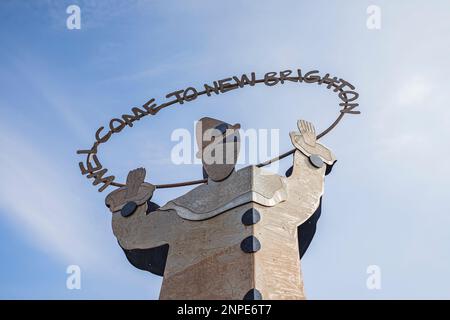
[{"x": 250, "y": 184}]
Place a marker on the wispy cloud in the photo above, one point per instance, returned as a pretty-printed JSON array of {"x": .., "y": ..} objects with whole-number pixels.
[{"x": 37, "y": 197}]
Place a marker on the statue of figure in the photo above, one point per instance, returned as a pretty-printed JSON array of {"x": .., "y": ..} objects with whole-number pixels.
[{"x": 240, "y": 235}]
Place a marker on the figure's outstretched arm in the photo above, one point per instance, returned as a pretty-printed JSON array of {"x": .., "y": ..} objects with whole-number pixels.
[
  {"x": 306, "y": 181},
  {"x": 143, "y": 232},
  {"x": 135, "y": 219}
]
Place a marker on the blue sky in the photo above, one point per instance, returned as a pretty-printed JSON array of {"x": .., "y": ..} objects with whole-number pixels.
[{"x": 385, "y": 201}]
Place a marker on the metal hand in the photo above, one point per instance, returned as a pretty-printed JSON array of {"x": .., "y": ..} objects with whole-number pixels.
[
  {"x": 308, "y": 132},
  {"x": 134, "y": 180}
]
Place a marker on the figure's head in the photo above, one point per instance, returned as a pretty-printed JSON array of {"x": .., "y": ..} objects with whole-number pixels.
[{"x": 218, "y": 144}]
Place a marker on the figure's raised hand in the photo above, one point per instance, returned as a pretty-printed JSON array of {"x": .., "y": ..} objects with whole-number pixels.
[
  {"x": 308, "y": 132},
  {"x": 134, "y": 180},
  {"x": 306, "y": 142}
]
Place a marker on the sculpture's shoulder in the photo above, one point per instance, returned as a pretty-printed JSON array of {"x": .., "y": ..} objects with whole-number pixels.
[{"x": 250, "y": 184}]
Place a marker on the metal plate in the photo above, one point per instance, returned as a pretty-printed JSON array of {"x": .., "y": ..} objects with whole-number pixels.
[
  {"x": 316, "y": 161},
  {"x": 128, "y": 209},
  {"x": 250, "y": 244},
  {"x": 253, "y": 294},
  {"x": 250, "y": 217}
]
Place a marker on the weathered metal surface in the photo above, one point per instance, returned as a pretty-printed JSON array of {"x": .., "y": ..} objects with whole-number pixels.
[
  {"x": 250, "y": 184},
  {"x": 136, "y": 190},
  {"x": 213, "y": 137},
  {"x": 210, "y": 257}
]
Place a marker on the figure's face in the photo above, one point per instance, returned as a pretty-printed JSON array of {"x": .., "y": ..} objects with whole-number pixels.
[{"x": 219, "y": 143}]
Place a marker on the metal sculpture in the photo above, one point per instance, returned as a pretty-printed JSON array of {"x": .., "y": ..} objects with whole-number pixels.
[{"x": 240, "y": 234}]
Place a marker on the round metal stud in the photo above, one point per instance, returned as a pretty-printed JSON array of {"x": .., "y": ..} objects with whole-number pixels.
[
  {"x": 251, "y": 216},
  {"x": 253, "y": 294},
  {"x": 128, "y": 209},
  {"x": 250, "y": 244},
  {"x": 316, "y": 161}
]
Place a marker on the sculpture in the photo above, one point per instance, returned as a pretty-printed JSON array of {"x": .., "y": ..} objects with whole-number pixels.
[{"x": 238, "y": 236}]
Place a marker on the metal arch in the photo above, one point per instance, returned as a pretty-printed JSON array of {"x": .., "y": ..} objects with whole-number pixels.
[{"x": 262, "y": 164}]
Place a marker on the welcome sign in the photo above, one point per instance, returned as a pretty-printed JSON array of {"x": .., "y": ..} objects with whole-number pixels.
[{"x": 93, "y": 169}]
